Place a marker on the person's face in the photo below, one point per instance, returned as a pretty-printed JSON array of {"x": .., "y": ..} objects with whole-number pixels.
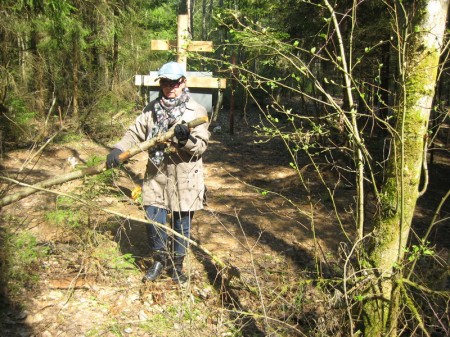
[{"x": 172, "y": 88}]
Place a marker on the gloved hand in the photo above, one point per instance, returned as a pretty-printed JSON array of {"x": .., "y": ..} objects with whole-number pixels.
[
  {"x": 182, "y": 132},
  {"x": 112, "y": 159}
]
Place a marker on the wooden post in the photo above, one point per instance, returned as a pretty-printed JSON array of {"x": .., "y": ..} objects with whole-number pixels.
[{"x": 183, "y": 38}]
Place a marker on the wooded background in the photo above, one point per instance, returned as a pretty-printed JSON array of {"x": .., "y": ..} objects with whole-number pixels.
[
  {"x": 365, "y": 82},
  {"x": 75, "y": 61}
]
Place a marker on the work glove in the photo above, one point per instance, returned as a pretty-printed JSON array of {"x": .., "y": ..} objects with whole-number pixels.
[
  {"x": 112, "y": 159},
  {"x": 182, "y": 132}
]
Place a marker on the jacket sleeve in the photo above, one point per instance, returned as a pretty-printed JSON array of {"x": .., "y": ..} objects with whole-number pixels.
[
  {"x": 199, "y": 137},
  {"x": 137, "y": 132}
]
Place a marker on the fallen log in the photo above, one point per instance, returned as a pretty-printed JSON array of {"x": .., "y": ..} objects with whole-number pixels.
[{"x": 90, "y": 171}]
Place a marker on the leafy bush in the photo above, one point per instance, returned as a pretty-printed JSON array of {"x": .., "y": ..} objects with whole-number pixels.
[{"x": 66, "y": 218}]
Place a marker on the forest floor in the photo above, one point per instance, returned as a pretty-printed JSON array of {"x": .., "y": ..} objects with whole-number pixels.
[{"x": 258, "y": 218}]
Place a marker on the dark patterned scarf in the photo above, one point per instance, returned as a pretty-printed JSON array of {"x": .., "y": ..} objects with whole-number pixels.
[{"x": 168, "y": 111}]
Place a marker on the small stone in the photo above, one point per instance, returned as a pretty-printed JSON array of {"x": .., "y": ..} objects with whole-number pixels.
[
  {"x": 143, "y": 316},
  {"x": 33, "y": 319},
  {"x": 55, "y": 295},
  {"x": 133, "y": 297}
]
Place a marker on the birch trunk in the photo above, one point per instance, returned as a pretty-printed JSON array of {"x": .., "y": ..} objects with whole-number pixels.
[{"x": 401, "y": 189}]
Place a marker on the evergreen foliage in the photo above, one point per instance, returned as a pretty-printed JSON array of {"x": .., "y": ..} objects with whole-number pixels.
[{"x": 64, "y": 51}]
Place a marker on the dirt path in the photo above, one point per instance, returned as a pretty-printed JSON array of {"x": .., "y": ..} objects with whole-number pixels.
[{"x": 257, "y": 218}]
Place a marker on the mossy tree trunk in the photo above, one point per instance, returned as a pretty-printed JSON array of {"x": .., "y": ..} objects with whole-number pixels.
[{"x": 421, "y": 46}]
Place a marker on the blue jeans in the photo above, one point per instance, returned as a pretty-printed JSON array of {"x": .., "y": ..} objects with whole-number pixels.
[{"x": 157, "y": 237}]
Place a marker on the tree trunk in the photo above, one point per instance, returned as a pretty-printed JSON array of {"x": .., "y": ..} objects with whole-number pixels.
[
  {"x": 383, "y": 99},
  {"x": 75, "y": 68},
  {"x": 37, "y": 78},
  {"x": 204, "y": 34},
  {"x": 401, "y": 188},
  {"x": 191, "y": 4},
  {"x": 101, "y": 50},
  {"x": 115, "y": 65}
]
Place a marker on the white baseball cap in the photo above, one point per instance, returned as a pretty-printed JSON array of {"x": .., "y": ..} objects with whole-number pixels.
[{"x": 172, "y": 71}]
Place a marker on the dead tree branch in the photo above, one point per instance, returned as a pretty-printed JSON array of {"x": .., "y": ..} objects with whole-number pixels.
[{"x": 9, "y": 199}]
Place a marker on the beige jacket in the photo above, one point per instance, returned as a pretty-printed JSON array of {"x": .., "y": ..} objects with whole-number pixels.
[{"x": 178, "y": 184}]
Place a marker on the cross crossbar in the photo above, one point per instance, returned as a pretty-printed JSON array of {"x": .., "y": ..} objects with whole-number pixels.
[
  {"x": 192, "y": 82},
  {"x": 198, "y": 46}
]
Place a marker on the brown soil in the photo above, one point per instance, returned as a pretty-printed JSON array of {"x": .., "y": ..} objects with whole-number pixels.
[{"x": 258, "y": 218}]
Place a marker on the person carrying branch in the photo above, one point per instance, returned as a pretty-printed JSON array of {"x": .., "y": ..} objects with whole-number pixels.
[{"x": 173, "y": 184}]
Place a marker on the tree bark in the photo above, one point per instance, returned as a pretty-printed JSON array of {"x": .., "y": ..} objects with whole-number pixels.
[
  {"x": 204, "y": 34},
  {"x": 37, "y": 77},
  {"x": 401, "y": 189},
  {"x": 75, "y": 69},
  {"x": 115, "y": 65}
]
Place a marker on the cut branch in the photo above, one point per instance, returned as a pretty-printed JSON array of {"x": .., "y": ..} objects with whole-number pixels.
[{"x": 90, "y": 171}]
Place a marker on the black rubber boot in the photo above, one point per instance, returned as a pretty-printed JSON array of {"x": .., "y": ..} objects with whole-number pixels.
[
  {"x": 159, "y": 263},
  {"x": 177, "y": 272}
]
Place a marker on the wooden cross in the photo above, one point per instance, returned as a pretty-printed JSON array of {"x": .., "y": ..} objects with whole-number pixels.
[{"x": 183, "y": 44}]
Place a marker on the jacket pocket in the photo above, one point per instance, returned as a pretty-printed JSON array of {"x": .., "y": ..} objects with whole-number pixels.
[{"x": 191, "y": 179}]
